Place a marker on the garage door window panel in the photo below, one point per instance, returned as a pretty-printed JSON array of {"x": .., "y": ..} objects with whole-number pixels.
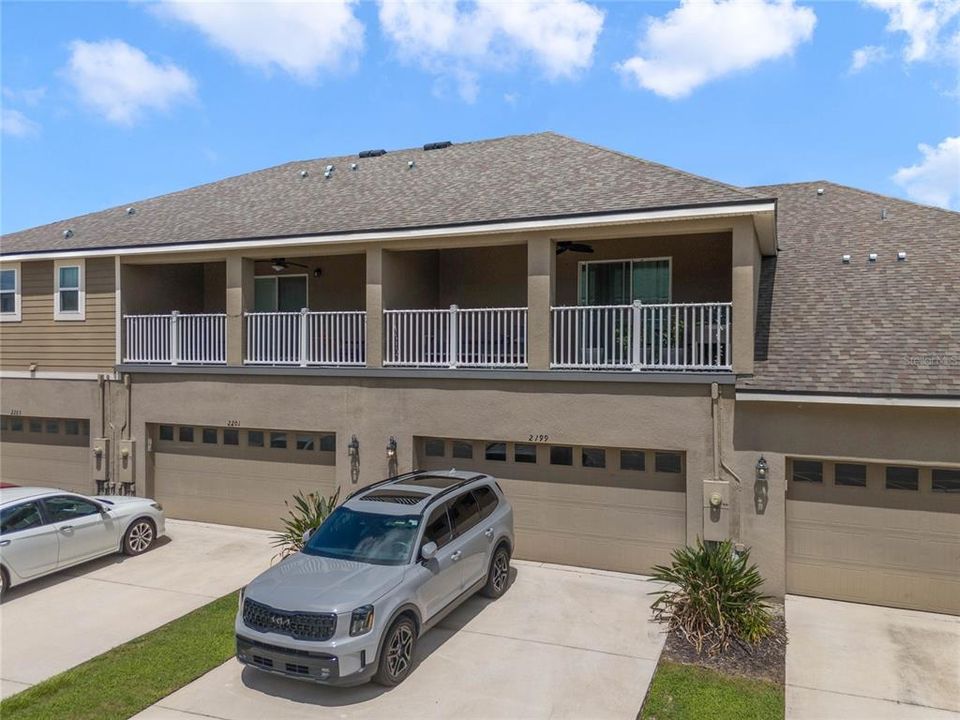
[
  {"x": 523, "y": 453},
  {"x": 209, "y": 436},
  {"x": 231, "y": 437},
  {"x": 850, "y": 474},
  {"x": 496, "y": 452},
  {"x": 593, "y": 457},
  {"x": 185, "y": 434},
  {"x": 434, "y": 447},
  {"x": 278, "y": 440},
  {"x": 305, "y": 442},
  {"x": 328, "y": 443},
  {"x": 807, "y": 471},
  {"x": 633, "y": 460},
  {"x": 668, "y": 462},
  {"x": 16, "y": 424},
  {"x": 255, "y": 438},
  {"x": 462, "y": 450},
  {"x": 946, "y": 481},
  {"x": 36, "y": 426},
  {"x": 53, "y": 427},
  {"x": 561, "y": 455},
  {"x": 902, "y": 478}
]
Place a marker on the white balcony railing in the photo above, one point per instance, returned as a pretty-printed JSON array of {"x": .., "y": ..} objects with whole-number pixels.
[
  {"x": 455, "y": 337},
  {"x": 175, "y": 338},
  {"x": 689, "y": 336},
  {"x": 307, "y": 338}
]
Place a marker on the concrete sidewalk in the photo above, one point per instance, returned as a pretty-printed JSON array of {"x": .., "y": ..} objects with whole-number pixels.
[
  {"x": 860, "y": 662},
  {"x": 561, "y": 643},
  {"x": 60, "y": 621}
]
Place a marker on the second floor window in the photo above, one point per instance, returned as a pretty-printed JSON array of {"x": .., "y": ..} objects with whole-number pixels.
[
  {"x": 280, "y": 293},
  {"x": 69, "y": 291},
  {"x": 9, "y": 294}
]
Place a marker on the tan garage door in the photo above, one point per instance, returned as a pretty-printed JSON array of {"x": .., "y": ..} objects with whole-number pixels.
[
  {"x": 49, "y": 452},
  {"x": 608, "y": 508},
  {"x": 238, "y": 476},
  {"x": 886, "y": 535}
]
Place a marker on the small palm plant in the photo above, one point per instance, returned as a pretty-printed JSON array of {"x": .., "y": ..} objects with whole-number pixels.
[
  {"x": 307, "y": 512},
  {"x": 713, "y": 597}
]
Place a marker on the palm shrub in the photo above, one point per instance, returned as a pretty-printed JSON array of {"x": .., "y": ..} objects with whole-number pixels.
[
  {"x": 306, "y": 513},
  {"x": 713, "y": 597}
]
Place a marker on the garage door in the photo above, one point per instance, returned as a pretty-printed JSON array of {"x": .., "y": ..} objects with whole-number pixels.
[
  {"x": 870, "y": 533},
  {"x": 49, "y": 452},
  {"x": 609, "y": 508},
  {"x": 238, "y": 476}
]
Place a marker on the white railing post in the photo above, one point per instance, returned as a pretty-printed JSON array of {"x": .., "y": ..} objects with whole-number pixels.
[
  {"x": 174, "y": 337},
  {"x": 635, "y": 335},
  {"x": 453, "y": 351},
  {"x": 302, "y": 345}
]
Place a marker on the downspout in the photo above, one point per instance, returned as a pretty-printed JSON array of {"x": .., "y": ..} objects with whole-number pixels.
[
  {"x": 126, "y": 415},
  {"x": 719, "y": 462}
]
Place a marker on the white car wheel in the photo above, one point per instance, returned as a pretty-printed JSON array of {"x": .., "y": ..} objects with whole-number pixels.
[{"x": 140, "y": 536}]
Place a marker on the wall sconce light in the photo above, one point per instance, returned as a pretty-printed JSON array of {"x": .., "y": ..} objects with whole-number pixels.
[
  {"x": 317, "y": 272},
  {"x": 98, "y": 450},
  {"x": 762, "y": 468},
  {"x": 391, "y": 448},
  {"x": 124, "y": 453},
  {"x": 353, "y": 448}
]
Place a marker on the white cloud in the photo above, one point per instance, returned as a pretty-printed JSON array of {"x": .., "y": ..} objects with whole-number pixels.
[
  {"x": 867, "y": 55},
  {"x": 27, "y": 96},
  {"x": 929, "y": 26},
  {"x": 120, "y": 82},
  {"x": 703, "y": 40},
  {"x": 299, "y": 38},
  {"x": 458, "y": 39},
  {"x": 16, "y": 124},
  {"x": 935, "y": 180}
]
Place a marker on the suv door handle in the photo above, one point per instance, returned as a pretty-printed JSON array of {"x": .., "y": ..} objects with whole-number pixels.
[
  {"x": 4, "y": 543},
  {"x": 488, "y": 532},
  {"x": 457, "y": 555},
  {"x": 67, "y": 529}
]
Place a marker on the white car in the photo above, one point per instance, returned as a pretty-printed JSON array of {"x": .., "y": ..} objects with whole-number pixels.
[{"x": 43, "y": 530}]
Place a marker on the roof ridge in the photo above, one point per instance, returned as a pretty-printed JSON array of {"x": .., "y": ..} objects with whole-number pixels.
[
  {"x": 645, "y": 161},
  {"x": 862, "y": 191}
]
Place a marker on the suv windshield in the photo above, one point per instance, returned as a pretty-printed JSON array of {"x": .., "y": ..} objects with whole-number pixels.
[{"x": 365, "y": 537}]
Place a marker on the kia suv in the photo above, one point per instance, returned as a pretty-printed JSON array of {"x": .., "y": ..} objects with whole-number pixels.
[{"x": 389, "y": 563}]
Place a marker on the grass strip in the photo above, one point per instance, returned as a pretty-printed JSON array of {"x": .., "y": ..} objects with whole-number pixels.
[
  {"x": 688, "y": 692},
  {"x": 129, "y": 678}
]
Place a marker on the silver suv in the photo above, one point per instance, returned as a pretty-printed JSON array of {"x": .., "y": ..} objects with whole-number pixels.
[{"x": 388, "y": 564}]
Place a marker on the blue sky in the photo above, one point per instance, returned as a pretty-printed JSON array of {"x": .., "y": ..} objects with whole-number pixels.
[{"x": 107, "y": 103}]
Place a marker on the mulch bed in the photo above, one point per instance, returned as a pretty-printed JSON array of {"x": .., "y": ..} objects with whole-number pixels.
[{"x": 764, "y": 661}]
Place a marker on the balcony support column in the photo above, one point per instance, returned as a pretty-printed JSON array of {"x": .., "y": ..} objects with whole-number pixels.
[
  {"x": 240, "y": 275},
  {"x": 375, "y": 306},
  {"x": 746, "y": 269},
  {"x": 541, "y": 278}
]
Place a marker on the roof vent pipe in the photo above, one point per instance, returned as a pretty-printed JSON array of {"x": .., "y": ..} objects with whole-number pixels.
[
  {"x": 902, "y": 255},
  {"x": 872, "y": 257},
  {"x": 819, "y": 191}
]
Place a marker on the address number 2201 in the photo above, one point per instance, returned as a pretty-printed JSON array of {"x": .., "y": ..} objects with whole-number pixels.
[{"x": 539, "y": 438}]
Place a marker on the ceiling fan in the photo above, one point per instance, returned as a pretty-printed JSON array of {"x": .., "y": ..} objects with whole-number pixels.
[
  {"x": 565, "y": 245},
  {"x": 281, "y": 264}
]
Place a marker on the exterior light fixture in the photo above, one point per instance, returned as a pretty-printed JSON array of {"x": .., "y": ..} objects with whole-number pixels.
[
  {"x": 391, "y": 448},
  {"x": 353, "y": 448},
  {"x": 762, "y": 468}
]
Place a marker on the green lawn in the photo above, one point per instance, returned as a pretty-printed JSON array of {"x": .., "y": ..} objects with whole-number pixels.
[
  {"x": 687, "y": 692},
  {"x": 133, "y": 676}
]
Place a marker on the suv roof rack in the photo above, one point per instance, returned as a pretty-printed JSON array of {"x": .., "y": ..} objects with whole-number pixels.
[
  {"x": 371, "y": 486},
  {"x": 455, "y": 487}
]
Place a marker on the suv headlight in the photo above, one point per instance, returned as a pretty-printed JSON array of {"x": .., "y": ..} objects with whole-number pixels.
[
  {"x": 156, "y": 506},
  {"x": 243, "y": 591},
  {"x": 361, "y": 621}
]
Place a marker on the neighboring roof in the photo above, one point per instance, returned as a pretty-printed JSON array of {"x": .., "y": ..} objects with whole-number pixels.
[
  {"x": 880, "y": 328},
  {"x": 513, "y": 178}
]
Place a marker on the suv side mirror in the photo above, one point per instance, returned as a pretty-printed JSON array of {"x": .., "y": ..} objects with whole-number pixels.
[{"x": 428, "y": 551}]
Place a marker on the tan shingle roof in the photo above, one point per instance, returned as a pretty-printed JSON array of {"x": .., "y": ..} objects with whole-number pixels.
[
  {"x": 517, "y": 177},
  {"x": 885, "y": 328}
]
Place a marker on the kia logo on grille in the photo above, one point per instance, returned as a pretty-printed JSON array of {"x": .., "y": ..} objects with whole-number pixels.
[{"x": 280, "y": 621}]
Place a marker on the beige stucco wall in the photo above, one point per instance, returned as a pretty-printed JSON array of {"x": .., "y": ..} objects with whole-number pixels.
[
  {"x": 62, "y": 345},
  {"x": 483, "y": 277}
]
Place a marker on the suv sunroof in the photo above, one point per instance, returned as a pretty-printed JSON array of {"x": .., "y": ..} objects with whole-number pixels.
[
  {"x": 433, "y": 481},
  {"x": 401, "y": 497}
]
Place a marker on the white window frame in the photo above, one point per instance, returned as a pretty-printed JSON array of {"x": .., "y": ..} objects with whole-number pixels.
[
  {"x": 14, "y": 316},
  {"x": 668, "y": 258},
  {"x": 81, "y": 312},
  {"x": 276, "y": 287}
]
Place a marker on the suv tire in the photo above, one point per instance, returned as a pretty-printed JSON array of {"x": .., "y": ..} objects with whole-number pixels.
[
  {"x": 396, "y": 656},
  {"x": 498, "y": 577}
]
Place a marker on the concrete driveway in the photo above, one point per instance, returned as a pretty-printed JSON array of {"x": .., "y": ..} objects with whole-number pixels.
[
  {"x": 561, "y": 643},
  {"x": 52, "y": 624},
  {"x": 860, "y": 662}
]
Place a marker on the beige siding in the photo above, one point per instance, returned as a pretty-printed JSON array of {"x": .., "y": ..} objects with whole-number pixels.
[{"x": 62, "y": 345}]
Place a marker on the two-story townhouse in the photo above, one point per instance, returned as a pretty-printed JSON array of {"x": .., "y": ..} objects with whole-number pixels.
[{"x": 642, "y": 356}]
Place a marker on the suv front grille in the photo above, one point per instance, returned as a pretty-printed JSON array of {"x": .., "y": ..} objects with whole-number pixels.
[{"x": 300, "y": 626}]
